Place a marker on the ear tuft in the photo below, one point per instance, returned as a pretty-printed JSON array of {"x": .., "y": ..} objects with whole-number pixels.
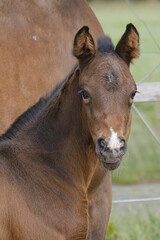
[
  {"x": 84, "y": 28},
  {"x": 129, "y": 26},
  {"x": 128, "y": 46},
  {"x": 84, "y": 46}
]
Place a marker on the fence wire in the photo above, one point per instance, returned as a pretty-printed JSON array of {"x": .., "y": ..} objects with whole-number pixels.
[
  {"x": 143, "y": 22},
  {"x": 136, "y": 109},
  {"x": 136, "y": 200},
  {"x": 150, "y": 73},
  {"x": 146, "y": 124}
]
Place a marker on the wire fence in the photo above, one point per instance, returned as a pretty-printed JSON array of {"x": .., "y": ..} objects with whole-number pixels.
[
  {"x": 152, "y": 132},
  {"x": 150, "y": 73},
  {"x": 136, "y": 200},
  {"x": 144, "y": 23}
]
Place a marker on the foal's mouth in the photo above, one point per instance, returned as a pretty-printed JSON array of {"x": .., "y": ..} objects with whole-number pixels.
[
  {"x": 110, "y": 163},
  {"x": 110, "y": 158},
  {"x": 112, "y": 166}
]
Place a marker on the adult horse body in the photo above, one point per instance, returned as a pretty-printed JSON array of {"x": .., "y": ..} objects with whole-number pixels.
[
  {"x": 49, "y": 162},
  {"x": 35, "y": 45}
]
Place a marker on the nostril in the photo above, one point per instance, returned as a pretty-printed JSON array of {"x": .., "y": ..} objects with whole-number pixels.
[
  {"x": 122, "y": 143},
  {"x": 102, "y": 144}
]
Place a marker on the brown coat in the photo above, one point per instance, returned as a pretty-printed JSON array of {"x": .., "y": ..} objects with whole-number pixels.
[{"x": 35, "y": 48}]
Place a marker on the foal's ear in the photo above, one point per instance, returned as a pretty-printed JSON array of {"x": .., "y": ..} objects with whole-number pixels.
[
  {"x": 84, "y": 47},
  {"x": 128, "y": 46}
]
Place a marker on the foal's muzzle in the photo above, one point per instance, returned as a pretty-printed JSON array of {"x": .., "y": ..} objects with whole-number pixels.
[{"x": 111, "y": 157}]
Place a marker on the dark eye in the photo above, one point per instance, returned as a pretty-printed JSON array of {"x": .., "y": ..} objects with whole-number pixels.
[
  {"x": 85, "y": 94},
  {"x": 133, "y": 94}
]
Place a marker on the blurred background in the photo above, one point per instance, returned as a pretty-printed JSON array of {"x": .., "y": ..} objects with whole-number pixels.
[{"x": 139, "y": 174}]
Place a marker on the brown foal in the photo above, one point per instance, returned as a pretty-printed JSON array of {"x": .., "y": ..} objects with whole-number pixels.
[{"x": 58, "y": 154}]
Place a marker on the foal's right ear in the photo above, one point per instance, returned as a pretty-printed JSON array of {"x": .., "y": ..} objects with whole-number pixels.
[
  {"x": 84, "y": 47},
  {"x": 128, "y": 46}
]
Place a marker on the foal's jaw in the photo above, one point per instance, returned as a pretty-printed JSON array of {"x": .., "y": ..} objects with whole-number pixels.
[{"x": 110, "y": 152}]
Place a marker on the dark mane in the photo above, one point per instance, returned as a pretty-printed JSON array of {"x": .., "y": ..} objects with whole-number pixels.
[
  {"x": 104, "y": 45},
  {"x": 33, "y": 111},
  {"x": 30, "y": 113}
]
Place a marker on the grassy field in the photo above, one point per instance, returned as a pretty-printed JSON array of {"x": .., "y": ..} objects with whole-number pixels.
[
  {"x": 136, "y": 227},
  {"x": 142, "y": 163}
]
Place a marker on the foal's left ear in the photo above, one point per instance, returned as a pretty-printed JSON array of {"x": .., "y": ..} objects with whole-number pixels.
[
  {"x": 84, "y": 47},
  {"x": 128, "y": 46}
]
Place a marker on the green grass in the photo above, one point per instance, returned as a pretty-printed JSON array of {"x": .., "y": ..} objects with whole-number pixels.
[
  {"x": 142, "y": 163},
  {"x": 137, "y": 227}
]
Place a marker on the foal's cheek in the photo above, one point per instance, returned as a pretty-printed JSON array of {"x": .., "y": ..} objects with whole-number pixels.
[
  {"x": 93, "y": 128},
  {"x": 89, "y": 118},
  {"x": 128, "y": 127},
  {"x": 89, "y": 112},
  {"x": 93, "y": 131}
]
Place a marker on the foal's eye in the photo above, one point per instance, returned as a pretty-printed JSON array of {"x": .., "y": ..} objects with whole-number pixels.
[
  {"x": 85, "y": 94},
  {"x": 133, "y": 95}
]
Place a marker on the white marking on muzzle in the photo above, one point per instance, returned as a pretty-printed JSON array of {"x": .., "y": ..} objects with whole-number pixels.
[{"x": 114, "y": 142}]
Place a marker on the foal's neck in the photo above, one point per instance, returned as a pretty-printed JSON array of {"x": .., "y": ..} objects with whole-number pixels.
[{"x": 63, "y": 130}]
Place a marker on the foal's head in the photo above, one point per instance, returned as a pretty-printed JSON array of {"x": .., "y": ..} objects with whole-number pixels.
[{"x": 107, "y": 89}]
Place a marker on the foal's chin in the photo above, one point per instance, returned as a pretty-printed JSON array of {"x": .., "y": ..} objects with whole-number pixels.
[{"x": 110, "y": 164}]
